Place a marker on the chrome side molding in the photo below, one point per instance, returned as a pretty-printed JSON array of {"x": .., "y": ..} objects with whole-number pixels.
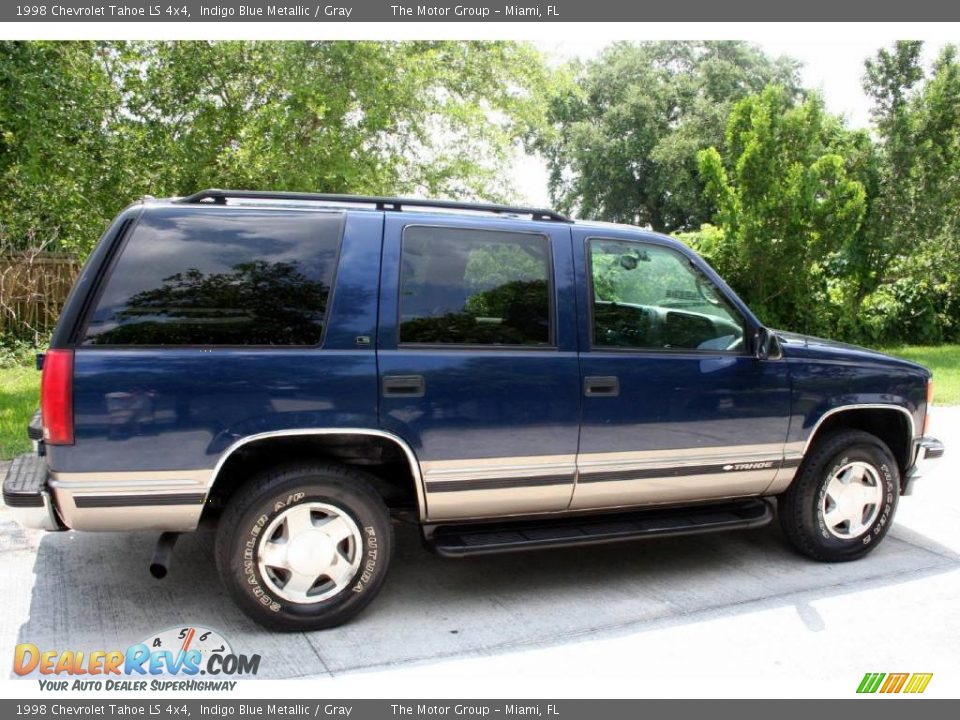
[
  {"x": 302, "y": 432},
  {"x": 865, "y": 406}
]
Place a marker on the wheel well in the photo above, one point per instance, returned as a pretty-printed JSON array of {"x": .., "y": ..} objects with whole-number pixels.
[
  {"x": 384, "y": 459},
  {"x": 889, "y": 425}
]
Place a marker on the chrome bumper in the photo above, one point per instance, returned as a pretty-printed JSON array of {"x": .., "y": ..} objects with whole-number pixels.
[
  {"x": 928, "y": 452},
  {"x": 26, "y": 495}
]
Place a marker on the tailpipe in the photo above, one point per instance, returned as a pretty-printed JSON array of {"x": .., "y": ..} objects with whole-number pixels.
[{"x": 160, "y": 565}]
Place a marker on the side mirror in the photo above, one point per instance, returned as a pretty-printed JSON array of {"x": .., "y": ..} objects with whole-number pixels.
[{"x": 765, "y": 344}]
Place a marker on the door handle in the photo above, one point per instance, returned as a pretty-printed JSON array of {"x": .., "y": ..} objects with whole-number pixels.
[
  {"x": 601, "y": 386},
  {"x": 404, "y": 386}
]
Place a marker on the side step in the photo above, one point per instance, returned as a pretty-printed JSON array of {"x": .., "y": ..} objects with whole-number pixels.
[{"x": 484, "y": 539}]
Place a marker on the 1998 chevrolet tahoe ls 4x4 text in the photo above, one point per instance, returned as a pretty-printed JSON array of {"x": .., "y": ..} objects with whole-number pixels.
[{"x": 296, "y": 367}]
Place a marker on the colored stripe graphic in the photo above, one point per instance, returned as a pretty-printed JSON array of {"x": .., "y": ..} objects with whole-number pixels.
[
  {"x": 895, "y": 682},
  {"x": 870, "y": 682},
  {"x": 918, "y": 683}
]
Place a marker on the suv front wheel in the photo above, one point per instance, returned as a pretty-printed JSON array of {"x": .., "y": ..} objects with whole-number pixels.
[
  {"x": 304, "y": 547},
  {"x": 842, "y": 502}
]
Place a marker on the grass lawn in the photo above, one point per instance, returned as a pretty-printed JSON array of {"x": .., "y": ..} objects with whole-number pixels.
[
  {"x": 20, "y": 391},
  {"x": 944, "y": 360},
  {"x": 19, "y": 398}
]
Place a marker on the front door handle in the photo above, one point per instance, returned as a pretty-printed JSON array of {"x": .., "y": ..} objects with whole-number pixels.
[
  {"x": 404, "y": 386},
  {"x": 601, "y": 386}
]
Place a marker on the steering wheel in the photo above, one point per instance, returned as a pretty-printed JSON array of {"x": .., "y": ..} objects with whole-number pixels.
[
  {"x": 706, "y": 291},
  {"x": 737, "y": 344}
]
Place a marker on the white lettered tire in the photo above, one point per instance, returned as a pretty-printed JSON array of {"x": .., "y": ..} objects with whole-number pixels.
[
  {"x": 842, "y": 502},
  {"x": 304, "y": 547}
]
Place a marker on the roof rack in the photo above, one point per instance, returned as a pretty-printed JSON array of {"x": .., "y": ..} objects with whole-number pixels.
[{"x": 220, "y": 197}]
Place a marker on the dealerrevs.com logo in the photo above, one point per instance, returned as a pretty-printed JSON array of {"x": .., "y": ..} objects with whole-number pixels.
[
  {"x": 173, "y": 659},
  {"x": 889, "y": 683}
]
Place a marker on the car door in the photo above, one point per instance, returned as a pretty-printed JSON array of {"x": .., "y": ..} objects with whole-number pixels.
[
  {"x": 675, "y": 406},
  {"x": 477, "y": 360}
]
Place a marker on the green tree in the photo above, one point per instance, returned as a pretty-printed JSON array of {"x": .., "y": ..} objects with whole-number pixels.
[
  {"x": 87, "y": 127},
  {"x": 56, "y": 100},
  {"x": 624, "y": 129},
  {"x": 362, "y": 117},
  {"x": 786, "y": 205},
  {"x": 890, "y": 80},
  {"x": 911, "y": 285}
]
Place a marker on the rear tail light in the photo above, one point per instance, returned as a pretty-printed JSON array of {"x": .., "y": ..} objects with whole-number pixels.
[
  {"x": 926, "y": 414},
  {"x": 56, "y": 397}
]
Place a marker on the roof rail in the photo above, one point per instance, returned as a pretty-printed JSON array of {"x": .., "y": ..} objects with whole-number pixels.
[{"x": 220, "y": 197}]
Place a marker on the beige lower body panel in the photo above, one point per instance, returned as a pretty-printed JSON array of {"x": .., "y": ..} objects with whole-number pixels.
[
  {"x": 606, "y": 480},
  {"x": 163, "y": 501},
  {"x": 661, "y": 491},
  {"x": 499, "y": 502},
  {"x": 488, "y": 488},
  {"x": 786, "y": 474},
  {"x": 461, "y": 489}
]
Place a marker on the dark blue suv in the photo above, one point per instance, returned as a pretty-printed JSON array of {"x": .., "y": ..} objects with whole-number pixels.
[{"x": 296, "y": 368}]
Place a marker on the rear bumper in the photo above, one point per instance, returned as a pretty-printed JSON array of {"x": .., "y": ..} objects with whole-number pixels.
[
  {"x": 26, "y": 495},
  {"x": 928, "y": 453},
  {"x": 43, "y": 500}
]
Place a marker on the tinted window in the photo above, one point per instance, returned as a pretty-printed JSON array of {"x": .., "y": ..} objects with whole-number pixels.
[
  {"x": 651, "y": 297},
  {"x": 220, "y": 277},
  {"x": 474, "y": 287}
]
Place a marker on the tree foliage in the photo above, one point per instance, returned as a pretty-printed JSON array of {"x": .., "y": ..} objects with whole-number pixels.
[
  {"x": 785, "y": 203},
  {"x": 57, "y": 169},
  {"x": 911, "y": 287},
  {"x": 625, "y": 129},
  {"x": 86, "y": 127},
  {"x": 820, "y": 228}
]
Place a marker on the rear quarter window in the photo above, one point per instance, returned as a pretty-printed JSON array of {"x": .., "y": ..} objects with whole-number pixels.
[{"x": 219, "y": 276}]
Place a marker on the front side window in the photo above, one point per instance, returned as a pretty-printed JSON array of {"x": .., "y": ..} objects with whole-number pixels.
[
  {"x": 219, "y": 277},
  {"x": 474, "y": 287},
  {"x": 651, "y": 297}
]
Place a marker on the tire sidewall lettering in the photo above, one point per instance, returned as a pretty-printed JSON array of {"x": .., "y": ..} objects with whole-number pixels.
[
  {"x": 368, "y": 566},
  {"x": 883, "y": 518},
  {"x": 253, "y": 536},
  {"x": 251, "y": 575}
]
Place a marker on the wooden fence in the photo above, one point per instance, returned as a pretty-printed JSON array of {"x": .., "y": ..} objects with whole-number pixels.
[{"x": 33, "y": 287}]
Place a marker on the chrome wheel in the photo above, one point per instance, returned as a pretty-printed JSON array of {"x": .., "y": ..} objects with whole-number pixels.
[
  {"x": 310, "y": 552},
  {"x": 852, "y": 501}
]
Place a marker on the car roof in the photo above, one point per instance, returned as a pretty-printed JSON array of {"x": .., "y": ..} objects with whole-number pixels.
[{"x": 414, "y": 207}]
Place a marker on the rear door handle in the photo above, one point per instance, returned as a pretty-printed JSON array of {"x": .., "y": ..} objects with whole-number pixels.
[
  {"x": 404, "y": 386},
  {"x": 601, "y": 386}
]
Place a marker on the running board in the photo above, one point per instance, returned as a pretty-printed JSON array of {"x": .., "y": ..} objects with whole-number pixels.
[{"x": 487, "y": 538}]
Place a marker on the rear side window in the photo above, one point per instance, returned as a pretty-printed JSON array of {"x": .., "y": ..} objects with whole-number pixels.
[
  {"x": 220, "y": 276},
  {"x": 474, "y": 287}
]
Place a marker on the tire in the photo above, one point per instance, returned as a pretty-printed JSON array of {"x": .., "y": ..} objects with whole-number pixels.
[
  {"x": 343, "y": 538},
  {"x": 809, "y": 513}
]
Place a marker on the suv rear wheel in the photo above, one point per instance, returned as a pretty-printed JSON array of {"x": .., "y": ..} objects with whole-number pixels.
[
  {"x": 842, "y": 502},
  {"x": 304, "y": 547}
]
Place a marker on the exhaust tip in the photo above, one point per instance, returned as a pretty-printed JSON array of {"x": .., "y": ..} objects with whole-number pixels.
[{"x": 160, "y": 564}]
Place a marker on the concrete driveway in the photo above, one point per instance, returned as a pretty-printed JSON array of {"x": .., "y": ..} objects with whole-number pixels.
[{"x": 694, "y": 605}]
